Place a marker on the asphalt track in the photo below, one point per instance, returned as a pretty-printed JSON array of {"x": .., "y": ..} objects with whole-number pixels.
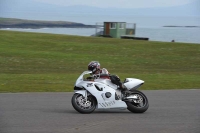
[{"x": 170, "y": 111}]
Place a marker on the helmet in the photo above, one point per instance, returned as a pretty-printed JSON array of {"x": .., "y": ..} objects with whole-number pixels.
[{"x": 94, "y": 66}]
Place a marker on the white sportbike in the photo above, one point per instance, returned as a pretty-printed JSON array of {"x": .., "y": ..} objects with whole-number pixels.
[{"x": 101, "y": 93}]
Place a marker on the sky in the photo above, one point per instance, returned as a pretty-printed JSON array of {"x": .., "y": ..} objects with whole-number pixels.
[
  {"x": 46, "y": 9},
  {"x": 119, "y": 3}
]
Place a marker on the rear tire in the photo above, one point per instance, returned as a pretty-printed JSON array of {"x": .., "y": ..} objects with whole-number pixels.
[
  {"x": 140, "y": 105},
  {"x": 82, "y": 106}
]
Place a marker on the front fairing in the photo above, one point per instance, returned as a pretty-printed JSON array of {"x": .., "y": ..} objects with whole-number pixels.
[{"x": 80, "y": 78}]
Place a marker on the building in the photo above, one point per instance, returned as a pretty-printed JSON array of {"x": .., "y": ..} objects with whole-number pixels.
[{"x": 115, "y": 29}]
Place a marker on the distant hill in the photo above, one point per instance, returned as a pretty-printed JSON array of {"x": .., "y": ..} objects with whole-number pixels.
[
  {"x": 22, "y": 23},
  {"x": 191, "y": 9},
  {"x": 31, "y": 7}
]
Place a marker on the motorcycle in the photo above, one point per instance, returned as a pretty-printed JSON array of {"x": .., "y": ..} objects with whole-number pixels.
[{"x": 101, "y": 93}]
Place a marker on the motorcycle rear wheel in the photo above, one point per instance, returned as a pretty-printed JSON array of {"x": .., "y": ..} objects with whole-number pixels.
[
  {"x": 140, "y": 105},
  {"x": 81, "y": 105}
]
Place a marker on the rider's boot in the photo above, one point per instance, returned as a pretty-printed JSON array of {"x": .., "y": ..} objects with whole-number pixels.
[
  {"x": 124, "y": 91},
  {"x": 123, "y": 88}
]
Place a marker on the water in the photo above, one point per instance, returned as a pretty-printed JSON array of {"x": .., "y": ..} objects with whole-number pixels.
[
  {"x": 151, "y": 27},
  {"x": 165, "y": 34},
  {"x": 188, "y": 35}
]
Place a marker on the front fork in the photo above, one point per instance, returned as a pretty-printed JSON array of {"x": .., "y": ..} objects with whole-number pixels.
[{"x": 84, "y": 93}]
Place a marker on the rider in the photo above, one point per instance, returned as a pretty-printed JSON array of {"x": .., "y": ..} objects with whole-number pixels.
[{"x": 94, "y": 66}]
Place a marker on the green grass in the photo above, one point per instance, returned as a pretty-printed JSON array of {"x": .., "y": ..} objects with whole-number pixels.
[{"x": 35, "y": 62}]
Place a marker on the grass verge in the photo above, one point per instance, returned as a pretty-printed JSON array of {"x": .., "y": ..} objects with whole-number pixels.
[{"x": 35, "y": 62}]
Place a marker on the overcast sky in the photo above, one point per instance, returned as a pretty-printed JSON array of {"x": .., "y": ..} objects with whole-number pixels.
[{"x": 119, "y": 3}]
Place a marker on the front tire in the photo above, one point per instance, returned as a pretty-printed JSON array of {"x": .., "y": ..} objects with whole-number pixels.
[
  {"x": 140, "y": 105},
  {"x": 81, "y": 105}
]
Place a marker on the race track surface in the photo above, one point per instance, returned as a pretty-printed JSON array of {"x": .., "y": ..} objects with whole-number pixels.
[{"x": 170, "y": 111}]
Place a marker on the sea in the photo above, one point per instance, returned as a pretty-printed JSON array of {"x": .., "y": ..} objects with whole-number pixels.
[{"x": 151, "y": 27}]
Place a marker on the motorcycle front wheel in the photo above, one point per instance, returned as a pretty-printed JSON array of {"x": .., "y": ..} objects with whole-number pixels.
[
  {"x": 139, "y": 105},
  {"x": 82, "y": 105}
]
